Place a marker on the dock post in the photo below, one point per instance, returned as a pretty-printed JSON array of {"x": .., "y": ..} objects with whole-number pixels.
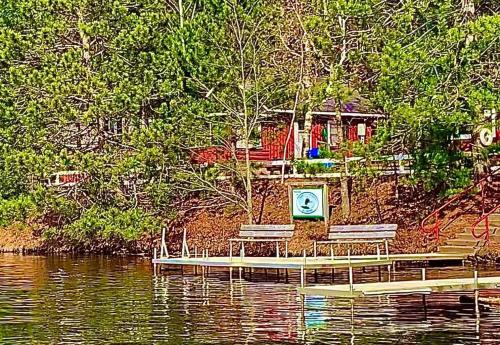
[
  {"x": 302, "y": 276},
  {"x": 240, "y": 273},
  {"x": 154, "y": 261},
  {"x": 333, "y": 275},
  {"x": 389, "y": 273},
  {"x": 286, "y": 275},
  {"x": 423, "y": 273},
  {"x": 231, "y": 275},
  {"x": 351, "y": 278}
]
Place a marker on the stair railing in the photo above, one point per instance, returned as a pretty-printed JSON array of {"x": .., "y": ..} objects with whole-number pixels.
[
  {"x": 435, "y": 228},
  {"x": 486, "y": 218}
]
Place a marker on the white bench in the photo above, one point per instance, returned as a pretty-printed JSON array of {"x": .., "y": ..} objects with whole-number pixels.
[
  {"x": 263, "y": 233},
  {"x": 372, "y": 233}
]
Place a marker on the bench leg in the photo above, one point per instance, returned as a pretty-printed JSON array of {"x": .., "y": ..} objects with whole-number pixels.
[
  {"x": 387, "y": 249},
  {"x": 277, "y": 249},
  {"x": 315, "y": 248},
  {"x": 331, "y": 252},
  {"x": 286, "y": 249},
  {"x": 378, "y": 251},
  {"x": 230, "y": 250}
]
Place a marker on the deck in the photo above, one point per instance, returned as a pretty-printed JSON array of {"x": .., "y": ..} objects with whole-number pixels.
[
  {"x": 273, "y": 262},
  {"x": 402, "y": 287},
  {"x": 308, "y": 263}
]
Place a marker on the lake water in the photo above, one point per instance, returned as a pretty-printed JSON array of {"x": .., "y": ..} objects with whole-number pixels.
[{"x": 119, "y": 300}]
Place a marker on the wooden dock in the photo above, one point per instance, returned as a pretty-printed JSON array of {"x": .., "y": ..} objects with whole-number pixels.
[
  {"x": 402, "y": 287},
  {"x": 307, "y": 262},
  {"x": 273, "y": 262}
]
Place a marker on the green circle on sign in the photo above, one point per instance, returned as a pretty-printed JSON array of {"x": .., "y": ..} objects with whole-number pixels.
[{"x": 307, "y": 202}]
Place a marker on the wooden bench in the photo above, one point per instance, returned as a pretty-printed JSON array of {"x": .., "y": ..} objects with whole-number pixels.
[
  {"x": 263, "y": 233},
  {"x": 372, "y": 233}
]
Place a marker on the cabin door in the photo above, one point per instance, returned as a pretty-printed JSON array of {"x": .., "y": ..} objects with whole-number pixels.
[{"x": 298, "y": 137}]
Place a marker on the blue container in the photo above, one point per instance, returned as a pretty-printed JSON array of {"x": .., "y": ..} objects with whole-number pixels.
[{"x": 313, "y": 153}]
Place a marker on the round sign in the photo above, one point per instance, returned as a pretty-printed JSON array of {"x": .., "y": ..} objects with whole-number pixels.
[{"x": 307, "y": 202}]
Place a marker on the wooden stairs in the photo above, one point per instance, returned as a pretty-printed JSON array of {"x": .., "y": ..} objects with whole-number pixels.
[{"x": 465, "y": 243}]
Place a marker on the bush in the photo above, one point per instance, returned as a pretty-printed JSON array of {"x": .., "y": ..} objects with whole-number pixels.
[{"x": 109, "y": 225}]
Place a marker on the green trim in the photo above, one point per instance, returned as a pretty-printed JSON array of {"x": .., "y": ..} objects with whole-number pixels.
[
  {"x": 308, "y": 217},
  {"x": 297, "y": 188}
]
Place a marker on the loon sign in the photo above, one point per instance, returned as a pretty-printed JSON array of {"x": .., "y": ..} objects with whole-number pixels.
[{"x": 308, "y": 203}]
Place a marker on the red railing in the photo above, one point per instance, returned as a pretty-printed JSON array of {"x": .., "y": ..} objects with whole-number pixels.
[
  {"x": 486, "y": 218},
  {"x": 435, "y": 227}
]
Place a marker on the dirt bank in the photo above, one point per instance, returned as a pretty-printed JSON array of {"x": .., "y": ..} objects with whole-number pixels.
[
  {"x": 211, "y": 227},
  {"x": 374, "y": 203}
]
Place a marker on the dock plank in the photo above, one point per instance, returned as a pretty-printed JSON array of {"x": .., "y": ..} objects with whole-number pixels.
[{"x": 402, "y": 287}]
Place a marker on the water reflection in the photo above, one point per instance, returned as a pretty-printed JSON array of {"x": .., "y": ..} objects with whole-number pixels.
[{"x": 95, "y": 300}]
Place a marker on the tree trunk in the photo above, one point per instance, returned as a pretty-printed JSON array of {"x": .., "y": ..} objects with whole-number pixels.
[
  {"x": 248, "y": 179},
  {"x": 345, "y": 193}
]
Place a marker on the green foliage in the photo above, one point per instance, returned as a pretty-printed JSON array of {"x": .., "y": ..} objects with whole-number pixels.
[
  {"x": 112, "y": 224},
  {"x": 120, "y": 90}
]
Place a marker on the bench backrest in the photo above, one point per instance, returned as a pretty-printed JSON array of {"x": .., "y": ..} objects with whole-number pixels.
[
  {"x": 267, "y": 230},
  {"x": 363, "y": 232}
]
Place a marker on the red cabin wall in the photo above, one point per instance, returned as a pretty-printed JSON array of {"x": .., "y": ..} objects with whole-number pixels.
[
  {"x": 274, "y": 137},
  {"x": 316, "y": 136}
]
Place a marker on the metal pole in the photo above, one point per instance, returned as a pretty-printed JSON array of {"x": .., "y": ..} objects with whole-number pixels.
[
  {"x": 277, "y": 249},
  {"x": 302, "y": 276},
  {"x": 351, "y": 278},
  {"x": 315, "y": 249},
  {"x": 423, "y": 273}
]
